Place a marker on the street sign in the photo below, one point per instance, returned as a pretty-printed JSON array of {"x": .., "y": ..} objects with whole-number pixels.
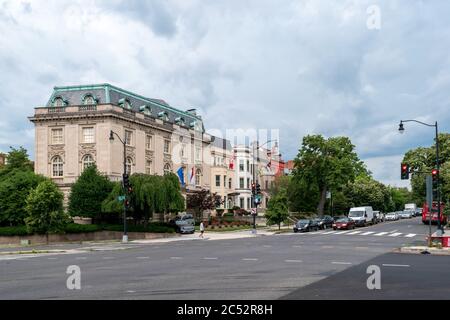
[
  {"x": 253, "y": 211},
  {"x": 121, "y": 198},
  {"x": 328, "y": 194}
]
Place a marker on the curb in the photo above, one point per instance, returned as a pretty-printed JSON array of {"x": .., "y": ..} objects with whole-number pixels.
[{"x": 424, "y": 250}]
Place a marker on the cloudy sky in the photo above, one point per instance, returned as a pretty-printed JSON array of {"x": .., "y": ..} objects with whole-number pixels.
[{"x": 298, "y": 66}]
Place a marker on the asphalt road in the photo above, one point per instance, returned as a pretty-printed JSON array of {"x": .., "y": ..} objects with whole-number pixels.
[{"x": 265, "y": 267}]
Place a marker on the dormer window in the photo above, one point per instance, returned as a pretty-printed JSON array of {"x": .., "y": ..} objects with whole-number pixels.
[
  {"x": 59, "y": 102},
  {"x": 89, "y": 100},
  {"x": 125, "y": 103},
  {"x": 195, "y": 125},
  {"x": 180, "y": 121},
  {"x": 145, "y": 109},
  {"x": 163, "y": 116}
]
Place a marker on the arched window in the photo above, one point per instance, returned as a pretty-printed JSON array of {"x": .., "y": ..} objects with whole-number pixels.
[
  {"x": 167, "y": 169},
  {"x": 89, "y": 100},
  {"x": 88, "y": 161},
  {"x": 58, "y": 102},
  {"x": 198, "y": 176},
  {"x": 57, "y": 167},
  {"x": 129, "y": 166}
]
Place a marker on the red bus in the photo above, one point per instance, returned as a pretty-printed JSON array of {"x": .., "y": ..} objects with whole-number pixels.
[{"x": 434, "y": 214}]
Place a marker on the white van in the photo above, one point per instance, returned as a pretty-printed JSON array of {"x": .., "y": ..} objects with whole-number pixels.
[{"x": 362, "y": 216}]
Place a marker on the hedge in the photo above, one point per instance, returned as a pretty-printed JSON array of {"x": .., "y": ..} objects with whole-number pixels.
[{"x": 156, "y": 227}]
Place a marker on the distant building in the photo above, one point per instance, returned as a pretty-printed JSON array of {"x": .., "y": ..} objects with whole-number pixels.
[
  {"x": 2, "y": 159},
  {"x": 289, "y": 167}
]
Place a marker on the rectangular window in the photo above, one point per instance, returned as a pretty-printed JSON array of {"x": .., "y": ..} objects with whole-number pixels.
[
  {"x": 229, "y": 183},
  {"x": 224, "y": 181},
  {"x": 57, "y": 136},
  {"x": 248, "y": 203},
  {"x": 241, "y": 203},
  {"x": 217, "y": 180},
  {"x": 148, "y": 142},
  {"x": 241, "y": 165},
  {"x": 166, "y": 146},
  {"x": 225, "y": 202},
  {"x": 241, "y": 183},
  {"x": 248, "y": 183},
  {"x": 88, "y": 135},
  {"x": 148, "y": 167},
  {"x": 248, "y": 166},
  {"x": 128, "y": 138},
  {"x": 197, "y": 153}
]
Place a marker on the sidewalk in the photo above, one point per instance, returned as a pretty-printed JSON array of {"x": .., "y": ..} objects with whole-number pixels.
[{"x": 224, "y": 235}]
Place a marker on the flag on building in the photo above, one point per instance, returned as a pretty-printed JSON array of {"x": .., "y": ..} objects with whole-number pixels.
[
  {"x": 191, "y": 176},
  {"x": 231, "y": 165},
  {"x": 181, "y": 176}
]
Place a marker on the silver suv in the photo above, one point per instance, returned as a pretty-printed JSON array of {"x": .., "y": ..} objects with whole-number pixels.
[{"x": 184, "y": 223}]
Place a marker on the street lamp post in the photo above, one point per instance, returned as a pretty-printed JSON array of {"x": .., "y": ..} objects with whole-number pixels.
[
  {"x": 438, "y": 193},
  {"x": 254, "y": 193},
  {"x": 111, "y": 139}
]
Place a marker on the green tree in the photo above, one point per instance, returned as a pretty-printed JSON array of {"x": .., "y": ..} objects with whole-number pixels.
[
  {"x": 44, "y": 206},
  {"x": 202, "y": 200},
  {"x": 17, "y": 159},
  {"x": 88, "y": 193},
  {"x": 14, "y": 189},
  {"x": 277, "y": 209},
  {"x": 322, "y": 165}
]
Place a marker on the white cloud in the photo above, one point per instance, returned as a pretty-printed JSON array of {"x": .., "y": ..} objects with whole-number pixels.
[{"x": 300, "y": 66}]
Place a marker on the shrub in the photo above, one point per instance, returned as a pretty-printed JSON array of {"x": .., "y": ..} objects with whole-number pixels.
[
  {"x": 88, "y": 192},
  {"x": 44, "y": 206},
  {"x": 81, "y": 228},
  {"x": 14, "y": 231}
]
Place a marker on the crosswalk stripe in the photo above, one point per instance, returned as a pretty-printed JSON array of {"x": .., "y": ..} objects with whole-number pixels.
[
  {"x": 380, "y": 234},
  {"x": 329, "y": 232},
  {"x": 342, "y": 232},
  {"x": 410, "y": 235},
  {"x": 395, "y": 234},
  {"x": 367, "y": 233},
  {"x": 355, "y": 232}
]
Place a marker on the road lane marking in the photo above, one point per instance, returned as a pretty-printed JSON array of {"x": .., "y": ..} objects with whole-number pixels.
[
  {"x": 340, "y": 262},
  {"x": 355, "y": 232},
  {"x": 393, "y": 231},
  {"x": 142, "y": 257},
  {"x": 80, "y": 258},
  {"x": 131, "y": 291},
  {"x": 395, "y": 265},
  {"x": 267, "y": 246},
  {"x": 342, "y": 232},
  {"x": 380, "y": 234},
  {"x": 410, "y": 235},
  {"x": 108, "y": 258},
  {"x": 293, "y": 261},
  {"x": 176, "y": 258},
  {"x": 367, "y": 233},
  {"x": 210, "y": 258},
  {"x": 361, "y": 248},
  {"x": 329, "y": 232},
  {"x": 52, "y": 258},
  {"x": 296, "y": 246},
  {"x": 250, "y": 259},
  {"x": 328, "y": 247},
  {"x": 395, "y": 234}
]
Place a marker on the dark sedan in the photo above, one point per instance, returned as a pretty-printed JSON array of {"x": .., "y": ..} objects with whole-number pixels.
[
  {"x": 344, "y": 223},
  {"x": 304, "y": 225},
  {"x": 325, "y": 222}
]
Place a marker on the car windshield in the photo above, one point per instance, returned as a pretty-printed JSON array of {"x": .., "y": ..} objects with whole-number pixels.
[
  {"x": 303, "y": 221},
  {"x": 343, "y": 220},
  {"x": 356, "y": 214}
]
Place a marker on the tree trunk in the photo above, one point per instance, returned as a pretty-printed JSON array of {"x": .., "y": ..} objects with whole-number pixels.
[
  {"x": 323, "y": 198},
  {"x": 279, "y": 226}
]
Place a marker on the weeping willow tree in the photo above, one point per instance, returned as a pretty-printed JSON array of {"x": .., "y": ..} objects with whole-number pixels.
[{"x": 151, "y": 194}]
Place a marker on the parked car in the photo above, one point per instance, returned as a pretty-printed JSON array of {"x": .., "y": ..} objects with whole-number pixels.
[
  {"x": 304, "y": 225},
  {"x": 362, "y": 216},
  {"x": 344, "y": 223},
  {"x": 379, "y": 216},
  {"x": 336, "y": 218},
  {"x": 184, "y": 223},
  {"x": 325, "y": 222},
  {"x": 391, "y": 216},
  {"x": 405, "y": 214}
]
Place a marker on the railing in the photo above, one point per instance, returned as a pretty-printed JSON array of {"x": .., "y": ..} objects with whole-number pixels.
[
  {"x": 56, "y": 109},
  {"x": 89, "y": 107}
]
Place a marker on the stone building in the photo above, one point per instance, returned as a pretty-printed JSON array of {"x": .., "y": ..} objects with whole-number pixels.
[{"x": 72, "y": 131}]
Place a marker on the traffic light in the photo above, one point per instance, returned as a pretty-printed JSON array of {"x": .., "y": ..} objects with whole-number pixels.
[
  {"x": 404, "y": 171},
  {"x": 258, "y": 188},
  {"x": 126, "y": 181},
  {"x": 253, "y": 188},
  {"x": 434, "y": 174}
]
